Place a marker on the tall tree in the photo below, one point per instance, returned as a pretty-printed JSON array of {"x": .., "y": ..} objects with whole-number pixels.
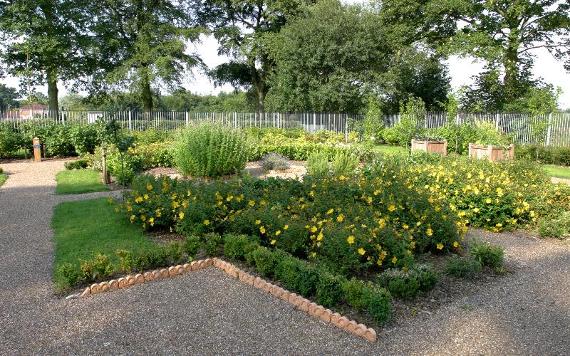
[
  {"x": 8, "y": 97},
  {"x": 504, "y": 33},
  {"x": 143, "y": 43},
  {"x": 335, "y": 56},
  {"x": 45, "y": 42},
  {"x": 240, "y": 27}
]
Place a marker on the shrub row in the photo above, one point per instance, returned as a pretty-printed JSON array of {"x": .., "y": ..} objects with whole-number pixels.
[
  {"x": 351, "y": 224},
  {"x": 311, "y": 281},
  {"x": 544, "y": 154}
]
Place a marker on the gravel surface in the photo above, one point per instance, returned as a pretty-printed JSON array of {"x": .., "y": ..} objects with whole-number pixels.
[{"x": 206, "y": 312}]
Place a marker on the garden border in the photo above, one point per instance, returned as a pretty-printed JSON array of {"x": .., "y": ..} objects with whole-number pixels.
[{"x": 299, "y": 302}]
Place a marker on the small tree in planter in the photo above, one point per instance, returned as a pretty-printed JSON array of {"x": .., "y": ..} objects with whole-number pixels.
[
  {"x": 110, "y": 134},
  {"x": 491, "y": 145}
]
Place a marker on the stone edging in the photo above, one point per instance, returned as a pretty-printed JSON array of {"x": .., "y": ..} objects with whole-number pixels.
[{"x": 298, "y": 301}]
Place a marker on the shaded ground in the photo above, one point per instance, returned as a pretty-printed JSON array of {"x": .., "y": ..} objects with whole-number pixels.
[{"x": 526, "y": 312}]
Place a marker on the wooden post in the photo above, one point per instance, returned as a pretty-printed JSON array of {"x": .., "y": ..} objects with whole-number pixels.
[
  {"x": 106, "y": 177},
  {"x": 37, "y": 149}
]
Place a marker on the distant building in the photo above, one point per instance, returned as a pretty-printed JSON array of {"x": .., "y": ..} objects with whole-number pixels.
[{"x": 29, "y": 111}]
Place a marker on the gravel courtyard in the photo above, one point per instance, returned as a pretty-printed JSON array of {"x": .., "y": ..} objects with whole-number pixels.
[{"x": 206, "y": 312}]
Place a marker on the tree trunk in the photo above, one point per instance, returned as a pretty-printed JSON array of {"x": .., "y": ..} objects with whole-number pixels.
[
  {"x": 146, "y": 92},
  {"x": 511, "y": 64},
  {"x": 53, "y": 104}
]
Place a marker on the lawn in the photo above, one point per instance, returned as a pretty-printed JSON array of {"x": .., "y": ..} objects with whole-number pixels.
[
  {"x": 79, "y": 181},
  {"x": 3, "y": 178},
  {"x": 87, "y": 227},
  {"x": 557, "y": 171}
]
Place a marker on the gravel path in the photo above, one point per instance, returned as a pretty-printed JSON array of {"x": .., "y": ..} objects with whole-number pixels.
[{"x": 206, "y": 312}]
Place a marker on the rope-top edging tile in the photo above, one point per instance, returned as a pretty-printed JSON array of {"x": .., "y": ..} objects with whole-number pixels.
[{"x": 301, "y": 303}]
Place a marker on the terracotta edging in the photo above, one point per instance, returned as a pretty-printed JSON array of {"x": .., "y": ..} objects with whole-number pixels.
[{"x": 299, "y": 302}]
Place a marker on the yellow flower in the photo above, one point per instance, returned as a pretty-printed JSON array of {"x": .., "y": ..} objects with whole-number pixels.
[
  {"x": 149, "y": 187},
  {"x": 320, "y": 236},
  {"x": 340, "y": 218},
  {"x": 439, "y": 246},
  {"x": 429, "y": 231},
  {"x": 139, "y": 199},
  {"x": 262, "y": 229},
  {"x": 146, "y": 197},
  {"x": 251, "y": 203},
  {"x": 361, "y": 251},
  {"x": 330, "y": 211},
  {"x": 133, "y": 218},
  {"x": 278, "y": 232},
  {"x": 455, "y": 244},
  {"x": 206, "y": 222},
  {"x": 394, "y": 259},
  {"x": 181, "y": 215},
  {"x": 499, "y": 225},
  {"x": 314, "y": 229},
  {"x": 285, "y": 227},
  {"x": 151, "y": 221},
  {"x": 273, "y": 242},
  {"x": 488, "y": 200},
  {"x": 382, "y": 223},
  {"x": 391, "y": 208},
  {"x": 257, "y": 222},
  {"x": 350, "y": 239}
]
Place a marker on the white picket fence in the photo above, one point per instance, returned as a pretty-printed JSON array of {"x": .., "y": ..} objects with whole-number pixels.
[{"x": 550, "y": 129}]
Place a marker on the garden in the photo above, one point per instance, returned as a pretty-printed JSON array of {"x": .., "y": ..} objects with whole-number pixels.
[{"x": 362, "y": 230}]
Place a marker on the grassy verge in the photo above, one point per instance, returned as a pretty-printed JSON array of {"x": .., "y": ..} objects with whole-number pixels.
[
  {"x": 3, "y": 178},
  {"x": 557, "y": 171},
  {"x": 85, "y": 228},
  {"x": 79, "y": 181}
]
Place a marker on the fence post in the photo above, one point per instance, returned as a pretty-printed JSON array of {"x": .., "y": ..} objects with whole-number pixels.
[
  {"x": 314, "y": 122},
  {"x": 186, "y": 117},
  {"x": 497, "y": 121},
  {"x": 130, "y": 120},
  {"x": 549, "y": 131}
]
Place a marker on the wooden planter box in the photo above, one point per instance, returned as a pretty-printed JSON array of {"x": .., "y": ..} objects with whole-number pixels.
[
  {"x": 438, "y": 147},
  {"x": 490, "y": 152}
]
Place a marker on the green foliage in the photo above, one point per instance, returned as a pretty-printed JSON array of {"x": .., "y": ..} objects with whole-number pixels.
[
  {"x": 555, "y": 227},
  {"x": 328, "y": 289},
  {"x": 463, "y": 267},
  {"x": 318, "y": 164},
  {"x": 544, "y": 154},
  {"x": 274, "y": 161},
  {"x": 296, "y": 275},
  {"x": 264, "y": 260},
  {"x": 192, "y": 245},
  {"x": 209, "y": 150},
  {"x": 78, "y": 164},
  {"x": 344, "y": 163},
  {"x": 407, "y": 284},
  {"x": 238, "y": 246},
  {"x": 368, "y": 297},
  {"x": 373, "y": 124},
  {"x": 487, "y": 254},
  {"x": 411, "y": 124},
  {"x": 98, "y": 268},
  {"x": 213, "y": 244}
]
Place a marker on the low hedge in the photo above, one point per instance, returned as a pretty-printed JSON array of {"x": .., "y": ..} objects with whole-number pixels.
[{"x": 545, "y": 154}]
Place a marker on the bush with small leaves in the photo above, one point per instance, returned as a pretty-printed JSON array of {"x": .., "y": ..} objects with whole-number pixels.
[
  {"x": 318, "y": 164},
  {"x": 97, "y": 268},
  {"x": 463, "y": 267},
  {"x": 329, "y": 289},
  {"x": 213, "y": 244},
  {"x": 78, "y": 164},
  {"x": 557, "y": 228},
  {"x": 296, "y": 275},
  {"x": 237, "y": 247},
  {"x": 368, "y": 297},
  {"x": 401, "y": 284},
  {"x": 488, "y": 255},
  {"x": 264, "y": 261},
  {"x": 67, "y": 275},
  {"x": 192, "y": 245},
  {"x": 126, "y": 260}
]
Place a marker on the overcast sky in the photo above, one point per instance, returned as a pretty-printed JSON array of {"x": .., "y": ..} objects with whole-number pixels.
[{"x": 461, "y": 71}]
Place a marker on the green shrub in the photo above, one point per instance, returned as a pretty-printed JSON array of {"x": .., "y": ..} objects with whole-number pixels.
[
  {"x": 488, "y": 255},
  {"x": 544, "y": 154},
  {"x": 237, "y": 247},
  {"x": 213, "y": 244},
  {"x": 264, "y": 261},
  {"x": 368, "y": 297},
  {"x": 67, "y": 275},
  {"x": 192, "y": 245},
  {"x": 84, "y": 138},
  {"x": 328, "y": 289},
  {"x": 550, "y": 228},
  {"x": 209, "y": 150},
  {"x": 98, "y": 268},
  {"x": 463, "y": 267},
  {"x": 274, "y": 161},
  {"x": 407, "y": 284},
  {"x": 78, "y": 164},
  {"x": 344, "y": 163},
  {"x": 296, "y": 275},
  {"x": 126, "y": 260},
  {"x": 318, "y": 164}
]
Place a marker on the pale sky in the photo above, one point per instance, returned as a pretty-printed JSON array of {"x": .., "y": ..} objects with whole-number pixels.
[{"x": 461, "y": 71}]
